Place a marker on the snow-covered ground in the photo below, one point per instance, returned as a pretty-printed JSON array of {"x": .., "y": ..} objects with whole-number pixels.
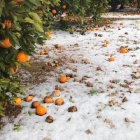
[
  {"x": 120, "y": 15},
  {"x": 113, "y": 113}
]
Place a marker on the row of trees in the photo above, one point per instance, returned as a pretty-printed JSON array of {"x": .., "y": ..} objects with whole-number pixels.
[{"x": 115, "y": 3}]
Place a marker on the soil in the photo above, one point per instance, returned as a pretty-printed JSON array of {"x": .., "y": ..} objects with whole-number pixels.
[
  {"x": 11, "y": 112},
  {"x": 40, "y": 71}
]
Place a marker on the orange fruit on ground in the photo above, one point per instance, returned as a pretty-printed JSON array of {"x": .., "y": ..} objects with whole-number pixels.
[
  {"x": 49, "y": 34},
  {"x": 22, "y": 57},
  {"x": 13, "y": 71},
  {"x": 17, "y": 101},
  {"x": 59, "y": 101},
  {"x": 35, "y": 104},
  {"x": 48, "y": 100},
  {"x": 8, "y": 24},
  {"x": 42, "y": 52},
  {"x": 64, "y": 6},
  {"x": 105, "y": 45},
  {"x": 111, "y": 59},
  {"x": 56, "y": 93},
  {"x": 54, "y": 11},
  {"x": 41, "y": 110},
  {"x": 6, "y": 43},
  {"x": 63, "y": 79},
  {"x": 29, "y": 98},
  {"x": 123, "y": 50}
]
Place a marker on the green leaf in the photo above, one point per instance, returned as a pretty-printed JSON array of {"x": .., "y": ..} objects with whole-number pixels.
[
  {"x": 29, "y": 20},
  {"x": 93, "y": 92},
  {"x": 38, "y": 27},
  {"x": 35, "y": 17}
]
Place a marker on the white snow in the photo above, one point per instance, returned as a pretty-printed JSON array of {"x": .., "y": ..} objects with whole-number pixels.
[{"x": 94, "y": 113}]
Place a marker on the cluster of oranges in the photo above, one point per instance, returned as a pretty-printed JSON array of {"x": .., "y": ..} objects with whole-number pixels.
[
  {"x": 54, "y": 11},
  {"x": 39, "y": 108},
  {"x": 6, "y": 43}
]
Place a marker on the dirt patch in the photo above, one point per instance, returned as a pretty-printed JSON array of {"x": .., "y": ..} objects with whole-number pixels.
[
  {"x": 40, "y": 71},
  {"x": 11, "y": 112}
]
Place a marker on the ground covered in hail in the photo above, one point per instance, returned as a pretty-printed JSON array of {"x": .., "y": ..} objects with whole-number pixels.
[{"x": 104, "y": 87}]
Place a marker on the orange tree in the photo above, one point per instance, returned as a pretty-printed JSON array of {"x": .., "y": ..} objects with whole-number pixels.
[
  {"x": 76, "y": 10},
  {"x": 23, "y": 25},
  {"x": 138, "y": 3}
]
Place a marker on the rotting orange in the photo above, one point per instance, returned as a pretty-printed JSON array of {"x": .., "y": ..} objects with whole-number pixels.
[{"x": 35, "y": 104}]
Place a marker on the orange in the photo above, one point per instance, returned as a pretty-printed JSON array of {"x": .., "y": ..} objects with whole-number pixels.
[
  {"x": 17, "y": 101},
  {"x": 29, "y": 98},
  {"x": 59, "y": 101},
  {"x": 64, "y": 6},
  {"x": 111, "y": 59},
  {"x": 13, "y": 71},
  {"x": 63, "y": 79},
  {"x": 22, "y": 57},
  {"x": 8, "y": 24},
  {"x": 54, "y": 11},
  {"x": 123, "y": 50},
  {"x": 105, "y": 45},
  {"x": 6, "y": 43},
  {"x": 35, "y": 104},
  {"x": 49, "y": 34},
  {"x": 41, "y": 110},
  {"x": 48, "y": 100},
  {"x": 18, "y": 1},
  {"x": 42, "y": 52},
  {"x": 56, "y": 93}
]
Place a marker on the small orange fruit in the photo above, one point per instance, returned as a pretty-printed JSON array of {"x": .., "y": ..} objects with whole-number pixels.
[
  {"x": 64, "y": 6},
  {"x": 48, "y": 100},
  {"x": 59, "y": 101},
  {"x": 42, "y": 52},
  {"x": 56, "y": 93},
  {"x": 6, "y": 43},
  {"x": 63, "y": 79},
  {"x": 41, "y": 110},
  {"x": 29, "y": 98},
  {"x": 105, "y": 45},
  {"x": 49, "y": 34},
  {"x": 13, "y": 71},
  {"x": 111, "y": 59},
  {"x": 17, "y": 101},
  {"x": 35, "y": 104},
  {"x": 123, "y": 50},
  {"x": 8, "y": 24},
  {"x": 22, "y": 57},
  {"x": 54, "y": 11},
  {"x": 18, "y": 1}
]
